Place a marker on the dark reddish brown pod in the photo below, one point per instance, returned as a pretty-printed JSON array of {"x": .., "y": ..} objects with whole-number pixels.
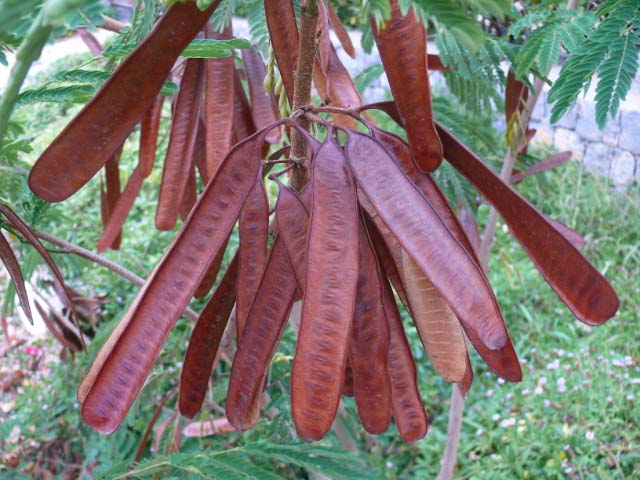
[
  {"x": 253, "y": 233},
  {"x": 317, "y": 373},
  {"x": 178, "y": 161},
  {"x": 218, "y": 103},
  {"x": 265, "y": 324},
  {"x": 406, "y": 403},
  {"x": 263, "y": 105},
  {"x": 149, "y": 127},
  {"x": 103, "y": 125},
  {"x": 204, "y": 342},
  {"x": 369, "y": 343},
  {"x": 579, "y": 285},
  {"x": 423, "y": 235},
  {"x": 402, "y": 44},
  {"x": 283, "y": 32},
  {"x": 122, "y": 365}
]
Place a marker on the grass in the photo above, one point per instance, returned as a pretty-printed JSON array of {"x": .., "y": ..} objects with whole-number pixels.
[{"x": 573, "y": 416}]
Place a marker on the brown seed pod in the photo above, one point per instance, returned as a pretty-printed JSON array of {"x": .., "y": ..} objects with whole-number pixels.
[
  {"x": 292, "y": 218},
  {"x": 579, "y": 285},
  {"x": 402, "y": 44},
  {"x": 178, "y": 161},
  {"x": 204, "y": 343},
  {"x": 212, "y": 272},
  {"x": 218, "y": 103},
  {"x": 283, "y": 32},
  {"x": 503, "y": 361},
  {"x": 318, "y": 367},
  {"x": 10, "y": 262},
  {"x": 341, "y": 32},
  {"x": 369, "y": 342},
  {"x": 112, "y": 194},
  {"x": 123, "y": 364},
  {"x": 106, "y": 121},
  {"x": 263, "y": 105},
  {"x": 347, "y": 387},
  {"x": 190, "y": 195},
  {"x": 265, "y": 324},
  {"x": 253, "y": 230},
  {"x": 149, "y": 126},
  {"x": 426, "y": 239},
  {"x": 243, "y": 125},
  {"x": 406, "y": 403}
]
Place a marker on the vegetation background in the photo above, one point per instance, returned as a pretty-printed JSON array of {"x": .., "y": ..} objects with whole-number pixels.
[{"x": 575, "y": 415}]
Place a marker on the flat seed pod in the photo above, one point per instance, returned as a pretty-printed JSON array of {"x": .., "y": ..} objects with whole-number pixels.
[
  {"x": 265, "y": 324},
  {"x": 253, "y": 229},
  {"x": 437, "y": 325},
  {"x": 190, "y": 195},
  {"x": 422, "y": 233},
  {"x": 149, "y": 127},
  {"x": 123, "y": 364},
  {"x": 218, "y": 103},
  {"x": 200, "y": 151},
  {"x": 263, "y": 105},
  {"x": 465, "y": 384},
  {"x": 579, "y": 285},
  {"x": 402, "y": 44},
  {"x": 340, "y": 31},
  {"x": 121, "y": 210},
  {"x": 292, "y": 218},
  {"x": 406, "y": 404},
  {"x": 434, "y": 63},
  {"x": 283, "y": 32},
  {"x": 10, "y": 262},
  {"x": 503, "y": 361},
  {"x": 178, "y": 161},
  {"x": 212, "y": 272},
  {"x": 204, "y": 342},
  {"x": 369, "y": 343},
  {"x": 112, "y": 193},
  {"x": 243, "y": 125},
  {"x": 318, "y": 367},
  {"x": 106, "y": 121},
  {"x": 515, "y": 96}
]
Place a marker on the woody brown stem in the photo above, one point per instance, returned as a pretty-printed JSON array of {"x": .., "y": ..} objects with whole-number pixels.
[{"x": 302, "y": 91}]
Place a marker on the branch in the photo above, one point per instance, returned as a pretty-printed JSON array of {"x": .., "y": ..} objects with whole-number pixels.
[
  {"x": 116, "y": 268},
  {"x": 302, "y": 90}
]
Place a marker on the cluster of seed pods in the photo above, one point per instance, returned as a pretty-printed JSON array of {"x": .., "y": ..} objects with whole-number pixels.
[{"x": 370, "y": 227}]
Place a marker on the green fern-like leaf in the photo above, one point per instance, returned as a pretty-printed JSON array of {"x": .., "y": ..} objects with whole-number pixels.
[
  {"x": 615, "y": 76},
  {"x": 69, "y": 94},
  {"x": 610, "y": 49},
  {"x": 222, "y": 14}
]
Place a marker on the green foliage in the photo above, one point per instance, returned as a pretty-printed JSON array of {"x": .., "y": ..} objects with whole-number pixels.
[{"x": 611, "y": 49}]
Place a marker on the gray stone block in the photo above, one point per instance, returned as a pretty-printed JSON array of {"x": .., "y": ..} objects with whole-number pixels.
[
  {"x": 586, "y": 126},
  {"x": 630, "y": 132},
  {"x": 566, "y": 139},
  {"x": 569, "y": 119},
  {"x": 622, "y": 168},
  {"x": 597, "y": 159}
]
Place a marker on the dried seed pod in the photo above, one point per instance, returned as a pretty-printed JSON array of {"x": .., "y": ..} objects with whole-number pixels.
[
  {"x": 124, "y": 362},
  {"x": 12, "y": 265},
  {"x": 318, "y": 367},
  {"x": 212, "y": 272},
  {"x": 190, "y": 195},
  {"x": 263, "y": 106},
  {"x": 369, "y": 342},
  {"x": 265, "y": 324},
  {"x": 437, "y": 325},
  {"x": 347, "y": 387},
  {"x": 243, "y": 125},
  {"x": 579, "y": 285},
  {"x": 406, "y": 403},
  {"x": 178, "y": 161},
  {"x": 402, "y": 44},
  {"x": 283, "y": 32},
  {"x": 341, "y": 32},
  {"x": 253, "y": 229},
  {"x": 204, "y": 343},
  {"x": 292, "y": 218},
  {"x": 218, "y": 103},
  {"x": 112, "y": 194},
  {"x": 426, "y": 239},
  {"x": 149, "y": 126},
  {"x": 106, "y": 121}
]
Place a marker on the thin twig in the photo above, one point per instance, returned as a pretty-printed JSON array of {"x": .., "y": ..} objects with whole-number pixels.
[{"x": 116, "y": 268}]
